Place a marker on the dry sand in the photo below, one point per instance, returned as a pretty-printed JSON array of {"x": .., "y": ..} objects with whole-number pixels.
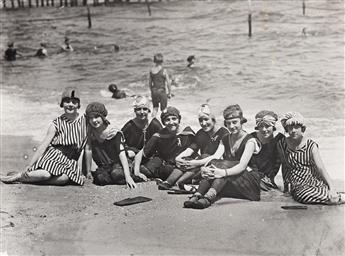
[{"x": 73, "y": 220}]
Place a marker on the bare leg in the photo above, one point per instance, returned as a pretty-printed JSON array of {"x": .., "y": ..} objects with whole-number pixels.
[
  {"x": 27, "y": 177},
  {"x": 185, "y": 178},
  {"x": 58, "y": 180},
  {"x": 39, "y": 175},
  {"x": 174, "y": 176}
]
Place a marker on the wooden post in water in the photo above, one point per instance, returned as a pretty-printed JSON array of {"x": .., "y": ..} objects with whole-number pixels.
[
  {"x": 30, "y": 4},
  {"x": 42, "y": 2},
  {"x": 89, "y": 17},
  {"x": 12, "y": 4},
  {"x": 66, "y": 3},
  {"x": 84, "y": 2},
  {"x": 37, "y": 3},
  {"x": 53, "y": 4},
  {"x": 47, "y": 3},
  {"x": 18, "y": 3},
  {"x": 250, "y": 18},
  {"x": 148, "y": 7},
  {"x": 303, "y": 7}
]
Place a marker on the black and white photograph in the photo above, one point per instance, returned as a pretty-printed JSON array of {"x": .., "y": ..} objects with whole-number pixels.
[{"x": 172, "y": 127}]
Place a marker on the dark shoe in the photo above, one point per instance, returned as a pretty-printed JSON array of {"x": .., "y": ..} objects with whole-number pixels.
[
  {"x": 180, "y": 185},
  {"x": 202, "y": 203},
  {"x": 164, "y": 186},
  {"x": 192, "y": 200}
]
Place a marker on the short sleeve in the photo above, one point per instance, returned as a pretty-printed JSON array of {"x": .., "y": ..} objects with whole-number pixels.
[{"x": 257, "y": 146}]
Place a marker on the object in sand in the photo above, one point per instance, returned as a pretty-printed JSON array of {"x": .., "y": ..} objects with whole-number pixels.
[{"x": 132, "y": 200}]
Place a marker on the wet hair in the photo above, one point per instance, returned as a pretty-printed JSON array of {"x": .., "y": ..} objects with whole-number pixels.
[
  {"x": 43, "y": 44},
  {"x": 116, "y": 48},
  {"x": 113, "y": 88},
  {"x": 10, "y": 44},
  {"x": 158, "y": 58},
  {"x": 66, "y": 39},
  {"x": 190, "y": 58}
]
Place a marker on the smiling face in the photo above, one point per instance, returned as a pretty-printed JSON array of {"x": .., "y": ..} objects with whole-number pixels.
[
  {"x": 295, "y": 131},
  {"x": 266, "y": 131},
  {"x": 70, "y": 105},
  {"x": 234, "y": 125},
  {"x": 172, "y": 123},
  {"x": 96, "y": 121},
  {"x": 141, "y": 113},
  {"x": 206, "y": 123}
]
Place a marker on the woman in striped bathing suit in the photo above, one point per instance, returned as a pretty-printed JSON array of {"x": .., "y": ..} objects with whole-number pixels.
[
  {"x": 303, "y": 168},
  {"x": 56, "y": 160}
]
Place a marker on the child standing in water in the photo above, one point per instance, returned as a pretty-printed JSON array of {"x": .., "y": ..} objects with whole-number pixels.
[{"x": 159, "y": 82}]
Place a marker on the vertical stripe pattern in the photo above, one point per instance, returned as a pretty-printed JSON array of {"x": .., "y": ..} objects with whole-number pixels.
[
  {"x": 307, "y": 186},
  {"x": 69, "y": 140}
]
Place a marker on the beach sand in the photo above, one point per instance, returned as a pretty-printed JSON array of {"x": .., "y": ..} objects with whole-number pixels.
[{"x": 73, "y": 220}]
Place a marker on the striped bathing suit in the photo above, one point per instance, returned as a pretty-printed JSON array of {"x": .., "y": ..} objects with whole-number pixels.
[
  {"x": 300, "y": 171},
  {"x": 61, "y": 156}
]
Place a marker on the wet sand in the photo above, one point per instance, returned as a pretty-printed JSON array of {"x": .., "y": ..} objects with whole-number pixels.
[{"x": 73, "y": 220}]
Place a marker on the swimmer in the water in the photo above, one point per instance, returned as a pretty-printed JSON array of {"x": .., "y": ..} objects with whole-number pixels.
[
  {"x": 117, "y": 94},
  {"x": 67, "y": 47},
  {"x": 116, "y": 48},
  {"x": 42, "y": 51},
  {"x": 11, "y": 52},
  {"x": 191, "y": 61}
]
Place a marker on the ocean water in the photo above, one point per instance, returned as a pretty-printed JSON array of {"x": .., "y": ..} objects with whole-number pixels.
[{"x": 280, "y": 68}]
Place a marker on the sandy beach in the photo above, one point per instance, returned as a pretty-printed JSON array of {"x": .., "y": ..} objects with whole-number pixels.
[{"x": 73, "y": 220}]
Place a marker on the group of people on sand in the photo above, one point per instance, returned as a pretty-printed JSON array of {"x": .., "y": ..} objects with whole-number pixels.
[{"x": 221, "y": 159}]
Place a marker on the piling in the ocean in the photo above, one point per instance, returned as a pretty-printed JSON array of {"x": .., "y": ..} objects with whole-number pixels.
[
  {"x": 249, "y": 18},
  {"x": 303, "y": 7},
  {"x": 89, "y": 17}
]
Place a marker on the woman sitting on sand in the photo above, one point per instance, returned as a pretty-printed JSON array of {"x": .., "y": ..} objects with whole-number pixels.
[
  {"x": 166, "y": 144},
  {"x": 139, "y": 130},
  {"x": 107, "y": 147},
  {"x": 238, "y": 177},
  {"x": 206, "y": 140},
  {"x": 303, "y": 168},
  {"x": 267, "y": 162},
  {"x": 56, "y": 160}
]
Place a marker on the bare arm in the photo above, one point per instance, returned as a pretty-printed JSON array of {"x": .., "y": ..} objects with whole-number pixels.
[
  {"x": 137, "y": 161},
  {"x": 167, "y": 82},
  {"x": 124, "y": 162},
  {"x": 44, "y": 145},
  {"x": 87, "y": 159},
  {"x": 217, "y": 155},
  {"x": 138, "y": 157},
  {"x": 214, "y": 172},
  {"x": 150, "y": 81},
  {"x": 185, "y": 153},
  {"x": 320, "y": 167}
]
